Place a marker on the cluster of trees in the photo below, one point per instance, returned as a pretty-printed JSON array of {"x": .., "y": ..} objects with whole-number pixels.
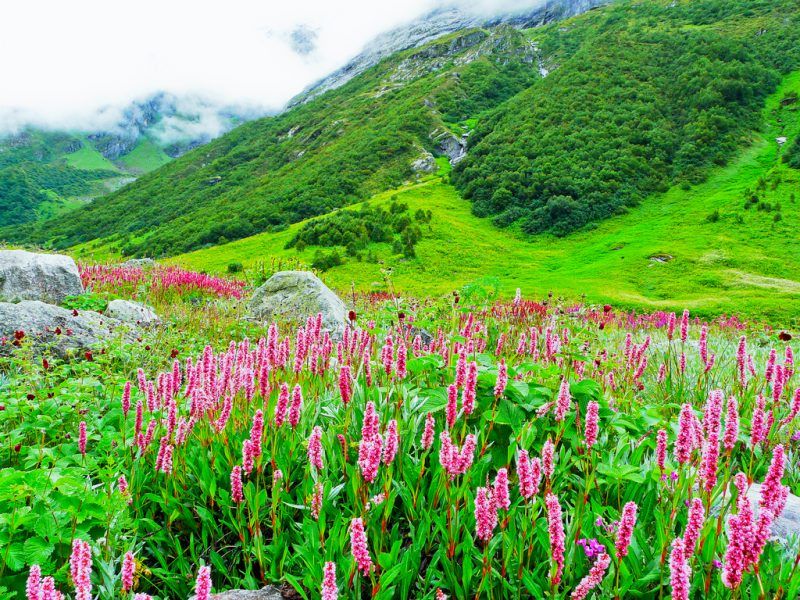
[
  {"x": 355, "y": 230},
  {"x": 645, "y": 99},
  {"x": 25, "y": 186}
]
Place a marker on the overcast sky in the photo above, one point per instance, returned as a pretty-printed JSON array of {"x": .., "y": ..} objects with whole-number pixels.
[{"x": 63, "y": 60}]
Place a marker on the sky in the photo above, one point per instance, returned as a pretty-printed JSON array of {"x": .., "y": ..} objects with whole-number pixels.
[{"x": 75, "y": 63}]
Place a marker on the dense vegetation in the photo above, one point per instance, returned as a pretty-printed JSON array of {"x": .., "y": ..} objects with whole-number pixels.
[
  {"x": 652, "y": 95},
  {"x": 355, "y": 230},
  {"x": 588, "y": 440}
]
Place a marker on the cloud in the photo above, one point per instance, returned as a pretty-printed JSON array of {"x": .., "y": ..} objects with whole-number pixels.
[{"x": 77, "y": 64}]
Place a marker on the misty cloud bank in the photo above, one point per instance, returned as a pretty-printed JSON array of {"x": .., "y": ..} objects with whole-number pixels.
[{"x": 84, "y": 64}]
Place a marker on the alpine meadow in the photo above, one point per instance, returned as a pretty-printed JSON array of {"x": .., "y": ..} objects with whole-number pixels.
[{"x": 504, "y": 305}]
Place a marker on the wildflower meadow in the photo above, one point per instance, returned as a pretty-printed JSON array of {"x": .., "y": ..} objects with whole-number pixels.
[{"x": 440, "y": 448}]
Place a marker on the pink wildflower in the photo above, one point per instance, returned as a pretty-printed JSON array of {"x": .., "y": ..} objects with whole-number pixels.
[
  {"x": 427, "y": 433},
  {"x": 548, "y": 458},
  {"x": 316, "y": 500},
  {"x": 82, "y": 438},
  {"x": 661, "y": 448},
  {"x": 202, "y": 588},
  {"x": 345, "y": 387},
  {"x": 772, "y": 492},
  {"x": 500, "y": 491},
  {"x": 358, "y": 546},
  {"x": 470, "y": 386},
  {"x": 694, "y": 525},
  {"x": 591, "y": 430},
  {"x": 625, "y": 531},
  {"x": 593, "y": 579},
  {"x": 485, "y": 514},
  {"x": 391, "y": 443},
  {"x": 236, "y": 485},
  {"x": 563, "y": 401},
  {"x": 128, "y": 568},
  {"x": 297, "y": 406},
  {"x": 256, "y": 432},
  {"x": 315, "y": 448},
  {"x": 282, "y": 405},
  {"x": 685, "y": 442},
  {"x": 451, "y": 412},
  {"x": 126, "y": 398},
  {"x": 731, "y": 425},
  {"x": 679, "y": 571},
  {"x": 34, "y": 583},
  {"x": 502, "y": 378},
  {"x": 555, "y": 529},
  {"x": 329, "y": 589}
]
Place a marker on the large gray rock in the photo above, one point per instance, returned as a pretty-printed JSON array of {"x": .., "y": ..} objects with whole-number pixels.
[
  {"x": 31, "y": 276},
  {"x": 293, "y": 296},
  {"x": 267, "y": 593},
  {"x": 57, "y": 329},
  {"x": 133, "y": 313},
  {"x": 142, "y": 263},
  {"x": 786, "y": 528}
]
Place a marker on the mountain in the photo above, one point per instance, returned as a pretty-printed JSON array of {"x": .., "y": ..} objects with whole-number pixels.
[
  {"x": 444, "y": 20},
  {"x": 45, "y": 172},
  {"x": 579, "y": 137}
]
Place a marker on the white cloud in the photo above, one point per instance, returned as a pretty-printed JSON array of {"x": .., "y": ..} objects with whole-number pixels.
[{"x": 70, "y": 63}]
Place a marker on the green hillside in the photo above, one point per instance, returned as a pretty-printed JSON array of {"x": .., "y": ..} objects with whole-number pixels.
[
  {"x": 719, "y": 256},
  {"x": 640, "y": 96}
]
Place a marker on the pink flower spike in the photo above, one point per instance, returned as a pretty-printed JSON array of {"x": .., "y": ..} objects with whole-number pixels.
[
  {"x": 501, "y": 495},
  {"x": 548, "y": 459},
  {"x": 427, "y": 433},
  {"x": 128, "y": 569},
  {"x": 555, "y": 529},
  {"x": 315, "y": 448},
  {"x": 694, "y": 526},
  {"x": 625, "y": 531},
  {"x": 329, "y": 589},
  {"x": 358, "y": 546},
  {"x": 34, "y": 583},
  {"x": 592, "y": 428},
  {"x": 661, "y": 449},
  {"x": 563, "y": 401},
  {"x": 679, "y": 571},
  {"x": 485, "y": 514},
  {"x": 593, "y": 579},
  {"x": 237, "y": 494},
  {"x": 202, "y": 588},
  {"x": 82, "y": 438}
]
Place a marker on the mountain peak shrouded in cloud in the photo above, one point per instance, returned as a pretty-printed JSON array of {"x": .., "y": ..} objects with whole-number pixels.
[{"x": 78, "y": 65}]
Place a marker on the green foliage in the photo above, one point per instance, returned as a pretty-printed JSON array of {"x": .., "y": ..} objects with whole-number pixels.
[
  {"x": 642, "y": 99},
  {"x": 87, "y": 301},
  {"x": 792, "y": 154}
]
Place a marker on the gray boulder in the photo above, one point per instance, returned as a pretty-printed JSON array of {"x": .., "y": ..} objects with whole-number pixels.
[
  {"x": 293, "y": 296},
  {"x": 32, "y": 276},
  {"x": 58, "y": 329},
  {"x": 266, "y": 593},
  {"x": 142, "y": 263},
  {"x": 786, "y": 528},
  {"x": 133, "y": 313}
]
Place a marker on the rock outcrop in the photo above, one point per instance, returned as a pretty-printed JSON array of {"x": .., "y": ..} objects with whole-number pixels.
[
  {"x": 293, "y": 296},
  {"x": 64, "y": 332},
  {"x": 31, "y": 276},
  {"x": 786, "y": 528},
  {"x": 266, "y": 593},
  {"x": 133, "y": 313}
]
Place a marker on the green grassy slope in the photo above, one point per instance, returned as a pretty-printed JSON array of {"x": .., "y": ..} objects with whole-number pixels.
[
  {"x": 145, "y": 157},
  {"x": 744, "y": 262}
]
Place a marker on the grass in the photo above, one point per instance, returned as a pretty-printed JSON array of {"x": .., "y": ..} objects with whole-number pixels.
[
  {"x": 145, "y": 157},
  {"x": 89, "y": 158},
  {"x": 743, "y": 263}
]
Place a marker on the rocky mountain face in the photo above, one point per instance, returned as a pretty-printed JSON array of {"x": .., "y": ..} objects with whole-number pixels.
[{"x": 437, "y": 24}]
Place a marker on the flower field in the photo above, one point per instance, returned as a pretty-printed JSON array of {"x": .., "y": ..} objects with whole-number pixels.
[{"x": 499, "y": 450}]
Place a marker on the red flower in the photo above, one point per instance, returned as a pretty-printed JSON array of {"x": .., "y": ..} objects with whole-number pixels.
[
  {"x": 784, "y": 336},
  {"x": 74, "y": 313},
  {"x": 351, "y": 315},
  {"x": 88, "y": 355},
  {"x": 607, "y": 308}
]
